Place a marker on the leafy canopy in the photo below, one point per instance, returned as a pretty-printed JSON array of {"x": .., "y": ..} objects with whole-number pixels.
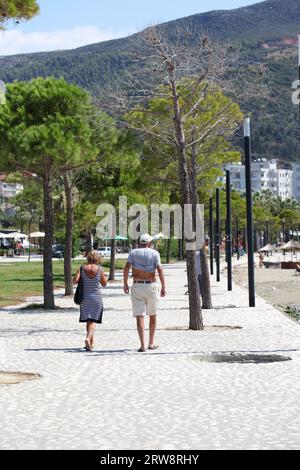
[
  {"x": 17, "y": 10},
  {"x": 45, "y": 124},
  {"x": 209, "y": 120}
]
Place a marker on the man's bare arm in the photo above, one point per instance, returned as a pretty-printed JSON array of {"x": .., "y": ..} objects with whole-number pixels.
[
  {"x": 160, "y": 271},
  {"x": 126, "y": 274}
]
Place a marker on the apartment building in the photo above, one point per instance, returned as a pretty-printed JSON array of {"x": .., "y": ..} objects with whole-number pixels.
[
  {"x": 8, "y": 191},
  {"x": 296, "y": 181},
  {"x": 265, "y": 175}
]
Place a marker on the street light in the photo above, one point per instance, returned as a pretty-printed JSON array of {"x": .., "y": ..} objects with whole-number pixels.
[
  {"x": 251, "y": 276},
  {"x": 299, "y": 63},
  {"x": 218, "y": 235},
  {"x": 228, "y": 230},
  {"x": 211, "y": 235}
]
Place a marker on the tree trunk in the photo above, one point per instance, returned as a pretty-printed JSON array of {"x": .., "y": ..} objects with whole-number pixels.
[
  {"x": 180, "y": 250},
  {"x": 29, "y": 248},
  {"x": 205, "y": 271},
  {"x": 168, "y": 250},
  {"x": 196, "y": 321},
  {"x": 255, "y": 240},
  {"x": 112, "y": 261},
  {"x": 69, "y": 237},
  {"x": 48, "y": 242},
  {"x": 205, "y": 281},
  {"x": 245, "y": 247},
  {"x": 88, "y": 242}
]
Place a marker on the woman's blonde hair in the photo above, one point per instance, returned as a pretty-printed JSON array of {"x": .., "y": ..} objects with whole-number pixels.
[{"x": 93, "y": 257}]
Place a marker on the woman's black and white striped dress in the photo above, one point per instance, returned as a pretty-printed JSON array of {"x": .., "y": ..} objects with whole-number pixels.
[{"x": 91, "y": 307}]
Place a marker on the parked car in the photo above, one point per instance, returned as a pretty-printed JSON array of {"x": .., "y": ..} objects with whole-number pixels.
[
  {"x": 58, "y": 251},
  {"x": 105, "y": 252}
]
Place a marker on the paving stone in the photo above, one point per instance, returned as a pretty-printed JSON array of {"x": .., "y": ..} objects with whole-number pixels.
[{"x": 116, "y": 398}]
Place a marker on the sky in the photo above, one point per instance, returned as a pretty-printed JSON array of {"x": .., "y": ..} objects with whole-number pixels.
[{"x": 67, "y": 24}]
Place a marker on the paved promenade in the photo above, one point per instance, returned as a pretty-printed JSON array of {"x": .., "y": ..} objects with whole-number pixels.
[{"x": 116, "y": 398}]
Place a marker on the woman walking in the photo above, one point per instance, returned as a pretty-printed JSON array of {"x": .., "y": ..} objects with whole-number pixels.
[{"x": 91, "y": 306}]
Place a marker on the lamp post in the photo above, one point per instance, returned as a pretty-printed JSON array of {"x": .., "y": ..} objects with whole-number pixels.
[
  {"x": 218, "y": 234},
  {"x": 299, "y": 64},
  {"x": 228, "y": 231},
  {"x": 211, "y": 235},
  {"x": 251, "y": 276},
  {"x": 283, "y": 230},
  {"x": 237, "y": 228}
]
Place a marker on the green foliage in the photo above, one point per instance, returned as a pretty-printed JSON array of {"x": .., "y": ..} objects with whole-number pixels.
[
  {"x": 29, "y": 204},
  {"x": 210, "y": 126},
  {"x": 17, "y": 10},
  {"x": 44, "y": 124}
]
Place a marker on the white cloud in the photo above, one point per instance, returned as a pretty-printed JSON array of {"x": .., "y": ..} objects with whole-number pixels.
[{"x": 17, "y": 42}]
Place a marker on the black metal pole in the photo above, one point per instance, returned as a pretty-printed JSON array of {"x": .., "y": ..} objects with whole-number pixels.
[
  {"x": 218, "y": 234},
  {"x": 238, "y": 238},
  {"x": 299, "y": 66},
  {"x": 211, "y": 235},
  {"x": 228, "y": 231},
  {"x": 251, "y": 275}
]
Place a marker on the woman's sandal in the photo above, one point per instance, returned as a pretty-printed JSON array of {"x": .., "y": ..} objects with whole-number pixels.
[
  {"x": 88, "y": 346},
  {"x": 153, "y": 348},
  {"x": 141, "y": 350}
]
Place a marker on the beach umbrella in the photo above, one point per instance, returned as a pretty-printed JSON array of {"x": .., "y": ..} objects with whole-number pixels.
[
  {"x": 158, "y": 236},
  {"x": 117, "y": 238},
  {"x": 37, "y": 235},
  {"x": 267, "y": 248},
  {"x": 16, "y": 235},
  {"x": 291, "y": 246}
]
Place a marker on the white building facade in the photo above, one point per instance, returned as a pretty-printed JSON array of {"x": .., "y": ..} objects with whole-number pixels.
[
  {"x": 296, "y": 181},
  {"x": 265, "y": 176},
  {"x": 8, "y": 191}
]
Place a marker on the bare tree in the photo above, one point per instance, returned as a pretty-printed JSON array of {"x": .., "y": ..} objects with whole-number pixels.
[{"x": 181, "y": 70}]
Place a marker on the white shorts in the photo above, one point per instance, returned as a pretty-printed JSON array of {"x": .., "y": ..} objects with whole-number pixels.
[{"x": 145, "y": 299}]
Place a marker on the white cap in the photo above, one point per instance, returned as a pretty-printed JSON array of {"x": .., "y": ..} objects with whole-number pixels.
[{"x": 146, "y": 238}]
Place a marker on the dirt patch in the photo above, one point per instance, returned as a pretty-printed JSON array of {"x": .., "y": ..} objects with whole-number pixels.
[
  {"x": 241, "y": 358},
  {"x": 208, "y": 327},
  {"x": 13, "y": 378},
  {"x": 279, "y": 287}
]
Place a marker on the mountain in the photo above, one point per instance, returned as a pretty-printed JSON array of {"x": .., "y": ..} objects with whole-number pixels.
[{"x": 265, "y": 34}]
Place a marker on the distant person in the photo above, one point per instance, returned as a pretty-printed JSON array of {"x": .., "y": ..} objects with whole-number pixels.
[
  {"x": 198, "y": 269},
  {"x": 145, "y": 292},
  {"x": 91, "y": 307},
  {"x": 261, "y": 259},
  {"x": 19, "y": 248}
]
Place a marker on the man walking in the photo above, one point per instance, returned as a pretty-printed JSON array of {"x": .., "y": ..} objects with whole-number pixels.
[{"x": 145, "y": 292}]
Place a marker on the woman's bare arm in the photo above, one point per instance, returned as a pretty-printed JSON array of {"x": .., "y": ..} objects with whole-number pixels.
[
  {"x": 76, "y": 277},
  {"x": 103, "y": 280}
]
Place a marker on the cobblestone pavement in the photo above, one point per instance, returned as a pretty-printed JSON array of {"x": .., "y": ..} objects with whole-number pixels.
[{"x": 116, "y": 398}]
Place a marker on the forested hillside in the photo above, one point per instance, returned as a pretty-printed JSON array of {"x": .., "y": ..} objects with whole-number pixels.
[{"x": 264, "y": 33}]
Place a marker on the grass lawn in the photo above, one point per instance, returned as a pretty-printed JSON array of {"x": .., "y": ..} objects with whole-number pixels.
[{"x": 21, "y": 280}]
